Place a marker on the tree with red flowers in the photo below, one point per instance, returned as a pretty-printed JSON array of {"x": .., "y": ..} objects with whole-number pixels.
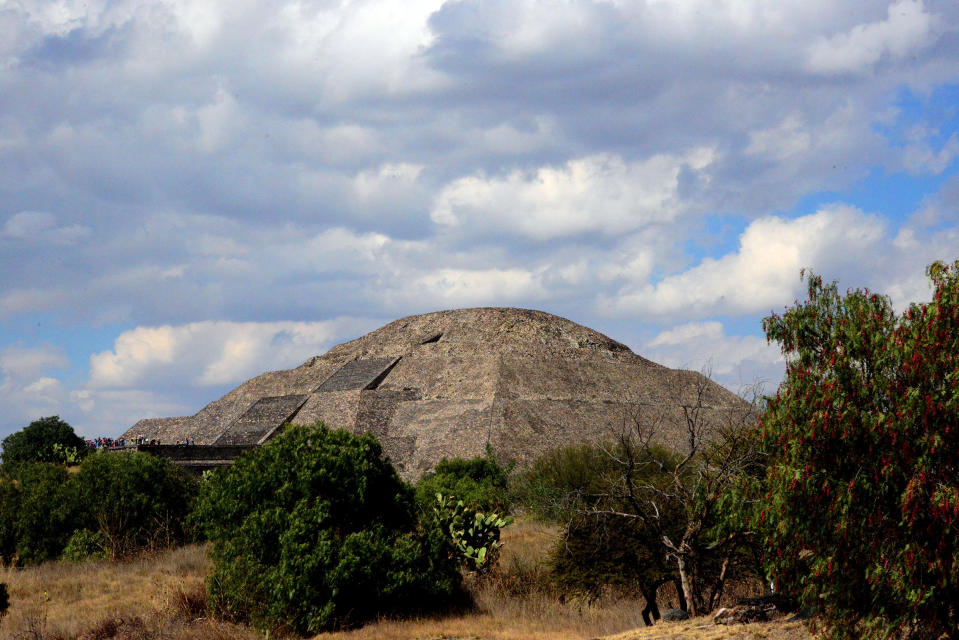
[{"x": 860, "y": 503}]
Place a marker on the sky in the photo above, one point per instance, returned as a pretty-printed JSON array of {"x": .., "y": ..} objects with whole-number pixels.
[{"x": 192, "y": 193}]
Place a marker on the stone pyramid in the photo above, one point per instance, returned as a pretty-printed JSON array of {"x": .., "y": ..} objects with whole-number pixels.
[{"x": 445, "y": 384}]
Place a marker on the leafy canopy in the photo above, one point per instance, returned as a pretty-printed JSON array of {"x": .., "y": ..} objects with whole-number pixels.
[
  {"x": 480, "y": 482},
  {"x": 43, "y": 440},
  {"x": 860, "y": 504},
  {"x": 316, "y": 531}
]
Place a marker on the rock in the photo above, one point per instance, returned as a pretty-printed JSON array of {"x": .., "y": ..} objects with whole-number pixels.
[
  {"x": 675, "y": 615},
  {"x": 752, "y": 610}
]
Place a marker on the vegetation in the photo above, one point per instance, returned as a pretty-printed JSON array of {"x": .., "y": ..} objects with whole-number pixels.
[
  {"x": 131, "y": 500},
  {"x": 134, "y": 500},
  {"x": 860, "y": 505},
  {"x": 85, "y": 545},
  {"x": 482, "y": 483},
  {"x": 44, "y": 440},
  {"x": 316, "y": 531},
  {"x": 474, "y": 534},
  {"x": 563, "y": 482},
  {"x": 38, "y": 511}
]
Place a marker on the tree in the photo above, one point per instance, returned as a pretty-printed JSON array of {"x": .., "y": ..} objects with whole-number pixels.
[
  {"x": 860, "y": 503},
  {"x": 39, "y": 440},
  {"x": 134, "y": 500},
  {"x": 675, "y": 496},
  {"x": 314, "y": 531},
  {"x": 38, "y": 511},
  {"x": 480, "y": 482}
]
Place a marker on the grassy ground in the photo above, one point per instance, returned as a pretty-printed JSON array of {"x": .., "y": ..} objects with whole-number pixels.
[{"x": 162, "y": 596}]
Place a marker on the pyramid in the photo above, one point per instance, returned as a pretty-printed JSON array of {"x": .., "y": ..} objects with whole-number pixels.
[{"x": 448, "y": 383}]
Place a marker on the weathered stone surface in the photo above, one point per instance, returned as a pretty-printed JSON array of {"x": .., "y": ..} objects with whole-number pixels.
[
  {"x": 445, "y": 384},
  {"x": 675, "y": 615},
  {"x": 358, "y": 374},
  {"x": 261, "y": 419}
]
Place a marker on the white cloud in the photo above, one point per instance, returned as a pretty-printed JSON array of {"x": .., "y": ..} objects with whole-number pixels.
[
  {"x": 450, "y": 288},
  {"x": 601, "y": 193},
  {"x": 764, "y": 272},
  {"x": 734, "y": 361},
  {"x": 906, "y": 28},
  {"x": 781, "y": 142},
  {"x": 28, "y": 362},
  {"x": 211, "y": 353},
  {"x": 42, "y": 226}
]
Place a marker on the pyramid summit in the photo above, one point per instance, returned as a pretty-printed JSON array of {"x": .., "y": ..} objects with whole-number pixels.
[{"x": 448, "y": 383}]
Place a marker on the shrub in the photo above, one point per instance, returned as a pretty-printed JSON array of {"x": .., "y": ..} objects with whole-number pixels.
[
  {"x": 134, "y": 500},
  {"x": 474, "y": 534},
  {"x": 862, "y": 489},
  {"x": 85, "y": 545},
  {"x": 37, "y": 442},
  {"x": 38, "y": 511},
  {"x": 559, "y": 483},
  {"x": 481, "y": 483},
  {"x": 316, "y": 531}
]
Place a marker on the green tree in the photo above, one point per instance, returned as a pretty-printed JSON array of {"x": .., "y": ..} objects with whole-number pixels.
[
  {"x": 860, "y": 504},
  {"x": 38, "y": 511},
  {"x": 675, "y": 496},
  {"x": 39, "y": 440},
  {"x": 134, "y": 500},
  {"x": 315, "y": 531},
  {"x": 480, "y": 482}
]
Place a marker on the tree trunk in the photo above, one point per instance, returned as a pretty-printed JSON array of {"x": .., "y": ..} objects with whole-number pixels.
[
  {"x": 682, "y": 596},
  {"x": 717, "y": 591},
  {"x": 651, "y": 609},
  {"x": 686, "y": 581}
]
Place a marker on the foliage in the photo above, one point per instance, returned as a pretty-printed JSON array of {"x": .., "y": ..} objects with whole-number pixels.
[
  {"x": 671, "y": 499},
  {"x": 315, "y": 531},
  {"x": 67, "y": 455},
  {"x": 561, "y": 483},
  {"x": 85, "y": 545},
  {"x": 481, "y": 483},
  {"x": 474, "y": 534},
  {"x": 863, "y": 490},
  {"x": 36, "y": 442},
  {"x": 38, "y": 511},
  {"x": 133, "y": 499}
]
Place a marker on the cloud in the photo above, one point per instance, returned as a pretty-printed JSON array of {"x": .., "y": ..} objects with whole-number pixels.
[
  {"x": 599, "y": 193},
  {"x": 28, "y": 362},
  {"x": 211, "y": 353},
  {"x": 41, "y": 226},
  {"x": 736, "y": 361},
  {"x": 763, "y": 272},
  {"x": 906, "y": 28}
]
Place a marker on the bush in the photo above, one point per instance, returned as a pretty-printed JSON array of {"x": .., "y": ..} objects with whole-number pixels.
[
  {"x": 315, "y": 531},
  {"x": 474, "y": 534},
  {"x": 863, "y": 486},
  {"x": 38, "y": 511},
  {"x": 481, "y": 483},
  {"x": 134, "y": 500},
  {"x": 85, "y": 545},
  {"x": 560, "y": 483},
  {"x": 44, "y": 440}
]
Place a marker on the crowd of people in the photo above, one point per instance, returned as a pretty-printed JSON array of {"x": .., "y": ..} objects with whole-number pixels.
[{"x": 117, "y": 443}]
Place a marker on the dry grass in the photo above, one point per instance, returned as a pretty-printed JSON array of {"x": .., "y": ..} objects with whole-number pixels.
[
  {"x": 154, "y": 596},
  {"x": 517, "y": 603},
  {"x": 162, "y": 596}
]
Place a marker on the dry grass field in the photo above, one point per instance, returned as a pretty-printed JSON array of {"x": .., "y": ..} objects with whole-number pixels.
[{"x": 162, "y": 596}]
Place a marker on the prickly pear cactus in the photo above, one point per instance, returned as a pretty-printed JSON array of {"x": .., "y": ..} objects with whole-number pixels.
[{"x": 475, "y": 535}]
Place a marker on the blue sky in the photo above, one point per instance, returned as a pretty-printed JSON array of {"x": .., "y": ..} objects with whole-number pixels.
[{"x": 192, "y": 193}]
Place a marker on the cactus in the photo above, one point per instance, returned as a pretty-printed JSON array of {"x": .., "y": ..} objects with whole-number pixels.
[{"x": 475, "y": 535}]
